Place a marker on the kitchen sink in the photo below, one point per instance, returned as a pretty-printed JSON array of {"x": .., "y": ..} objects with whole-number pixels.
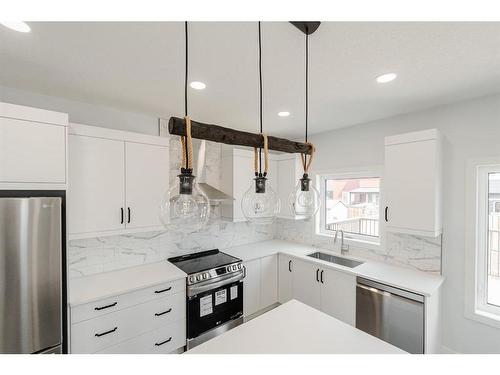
[{"x": 334, "y": 259}]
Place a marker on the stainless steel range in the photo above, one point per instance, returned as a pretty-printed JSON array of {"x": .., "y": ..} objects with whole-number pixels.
[{"x": 214, "y": 289}]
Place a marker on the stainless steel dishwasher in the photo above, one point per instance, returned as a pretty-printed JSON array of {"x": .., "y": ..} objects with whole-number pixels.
[{"x": 391, "y": 314}]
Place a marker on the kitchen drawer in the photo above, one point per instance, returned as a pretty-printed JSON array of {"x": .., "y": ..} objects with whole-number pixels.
[
  {"x": 105, "y": 306},
  {"x": 160, "y": 341},
  {"x": 95, "y": 334}
]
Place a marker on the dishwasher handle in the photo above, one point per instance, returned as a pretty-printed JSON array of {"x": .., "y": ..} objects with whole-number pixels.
[{"x": 387, "y": 290}]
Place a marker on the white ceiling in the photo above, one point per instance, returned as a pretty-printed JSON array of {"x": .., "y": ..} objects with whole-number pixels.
[{"x": 139, "y": 67}]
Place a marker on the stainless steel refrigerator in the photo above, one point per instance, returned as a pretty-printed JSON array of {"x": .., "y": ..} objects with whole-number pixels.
[{"x": 31, "y": 275}]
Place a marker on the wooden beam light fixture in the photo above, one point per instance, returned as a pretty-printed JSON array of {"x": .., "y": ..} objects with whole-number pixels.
[{"x": 216, "y": 133}]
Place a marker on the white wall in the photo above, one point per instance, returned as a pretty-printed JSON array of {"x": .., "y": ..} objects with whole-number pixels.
[
  {"x": 83, "y": 113},
  {"x": 470, "y": 129}
]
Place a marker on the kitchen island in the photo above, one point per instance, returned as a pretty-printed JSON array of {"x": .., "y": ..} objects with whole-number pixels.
[{"x": 295, "y": 328}]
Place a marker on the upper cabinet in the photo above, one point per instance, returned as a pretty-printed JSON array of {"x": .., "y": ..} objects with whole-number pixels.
[
  {"x": 289, "y": 172},
  {"x": 412, "y": 183},
  {"x": 116, "y": 181},
  {"x": 237, "y": 177},
  {"x": 32, "y": 148},
  {"x": 238, "y": 173}
]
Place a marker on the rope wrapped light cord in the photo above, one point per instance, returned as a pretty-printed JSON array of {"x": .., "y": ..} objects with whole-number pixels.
[
  {"x": 266, "y": 157},
  {"x": 187, "y": 146},
  {"x": 307, "y": 164}
]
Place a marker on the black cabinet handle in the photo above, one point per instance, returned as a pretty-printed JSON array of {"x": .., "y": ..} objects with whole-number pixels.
[
  {"x": 121, "y": 220},
  {"x": 290, "y": 265},
  {"x": 321, "y": 277},
  {"x": 107, "y": 332},
  {"x": 163, "y": 313},
  {"x": 386, "y": 214},
  {"x": 164, "y": 342},
  {"x": 317, "y": 275},
  {"x": 128, "y": 217},
  {"x": 163, "y": 290},
  {"x": 105, "y": 307}
]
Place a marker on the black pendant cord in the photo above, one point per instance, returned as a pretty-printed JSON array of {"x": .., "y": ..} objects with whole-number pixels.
[
  {"x": 186, "y": 90},
  {"x": 307, "y": 91},
  {"x": 260, "y": 97}
]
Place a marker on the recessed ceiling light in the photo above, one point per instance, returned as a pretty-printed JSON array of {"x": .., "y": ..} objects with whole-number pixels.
[
  {"x": 197, "y": 85},
  {"x": 20, "y": 26},
  {"x": 284, "y": 114},
  {"x": 387, "y": 77}
]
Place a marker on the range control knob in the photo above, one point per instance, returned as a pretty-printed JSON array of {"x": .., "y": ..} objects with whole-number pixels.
[
  {"x": 228, "y": 268},
  {"x": 239, "y": 266},
  {"x": 205, "y": 275},
  {"x": 234, "y": 267},
  {"x": 198, "y": 277},
  {"x": 191, "y": 279}
]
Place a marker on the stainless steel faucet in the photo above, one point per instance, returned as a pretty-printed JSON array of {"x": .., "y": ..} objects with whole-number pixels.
[{"x": 344, "y": 248}]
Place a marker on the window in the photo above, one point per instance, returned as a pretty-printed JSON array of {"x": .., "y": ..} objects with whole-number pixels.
[
  {"x": 493, "y": 242},
  {"x": 483, "y": 245},
  {"x": 350, "y": 203}
]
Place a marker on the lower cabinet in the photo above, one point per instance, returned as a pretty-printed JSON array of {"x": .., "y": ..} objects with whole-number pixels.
[
  {"x": 306, "y": 285},
  {"x": 285, "y": 280},
  {"x": 260, "y": 287},
  {"x": 325, "y": 289},
  {"x": 156, "y": 324},
  {"x": 338, "y": 295}
]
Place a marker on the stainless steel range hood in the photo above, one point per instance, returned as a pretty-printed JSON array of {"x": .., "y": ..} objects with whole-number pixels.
[{"x": 215, "y": 196}]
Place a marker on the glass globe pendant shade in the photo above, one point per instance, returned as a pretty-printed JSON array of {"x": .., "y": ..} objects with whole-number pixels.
[
  {"x": 304, "y": 200},
  {"x": 260, "y": 203},
  {"x": 185, "y": 208}
]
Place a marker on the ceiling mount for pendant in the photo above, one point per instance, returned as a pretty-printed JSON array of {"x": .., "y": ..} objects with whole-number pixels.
[{"x": 306, "y": 27}]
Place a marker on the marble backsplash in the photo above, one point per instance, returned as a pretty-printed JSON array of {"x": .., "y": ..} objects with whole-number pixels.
[
  {"x": 102, "y": 254},
  {"x": 419, "y": 253}
]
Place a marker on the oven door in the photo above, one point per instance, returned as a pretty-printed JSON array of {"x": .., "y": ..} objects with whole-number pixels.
[{"x": 211, "y": 305}]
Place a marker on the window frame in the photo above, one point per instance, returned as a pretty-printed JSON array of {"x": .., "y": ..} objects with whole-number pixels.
[
  {"x": 349, "y": 173},
  {"x": 476, "y": 242}
]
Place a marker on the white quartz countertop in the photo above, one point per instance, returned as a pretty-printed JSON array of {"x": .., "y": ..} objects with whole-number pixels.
[
  {"x": 295, "y": 328},
  {"x": 95, "y": 287},
  {"x": 399, "y": 277}
]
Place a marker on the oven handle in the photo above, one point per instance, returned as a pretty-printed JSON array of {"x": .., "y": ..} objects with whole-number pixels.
[{"x": 193, "y": 290}]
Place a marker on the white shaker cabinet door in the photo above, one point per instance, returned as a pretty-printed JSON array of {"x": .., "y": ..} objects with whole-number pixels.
[
  {"x": 285, "y": 269},
  {"x": 306, "y": 285},
  {"x": 147, "y": 174},
  {"x": 412, "y": 183},
  {"x": 32, "y": 152},
  {"x": 243, "y": 175},
  {"x": 338, "y": 295},
  {"x": 269, "y": 280},
  {"x": 96, "y": 193},
  {"x": 251, "y": 287}
]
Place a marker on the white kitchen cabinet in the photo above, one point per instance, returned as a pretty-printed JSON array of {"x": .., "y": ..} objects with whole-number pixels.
[
  {"x": 260, "y": 286},
  {"x": 269, "y": 280},
  {"x": 325, "y": 289},
  {"x": 306, "y": 286},
  {"x": 97, "y": 189},
  {"x": 141, "y": 321},
  {"x": 251, "y": 287},
  {"x": 116, "y": 181},
  {"x": 32, "y": 148},
  {"x": 289, "y": 172},
  {"x": 146, "y": 174},
  {"x": 338, "y": 295},
  {"x": 237, "y": 177},
  {"x": 412, "y": 183},
  {"x": 285, "y": 279}
]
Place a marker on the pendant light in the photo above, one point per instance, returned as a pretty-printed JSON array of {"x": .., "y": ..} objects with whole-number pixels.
[
  {"x": 260, "y": 203},
  {"x": 185, "y": 208},
  {"x": 304, "y": 200}
]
